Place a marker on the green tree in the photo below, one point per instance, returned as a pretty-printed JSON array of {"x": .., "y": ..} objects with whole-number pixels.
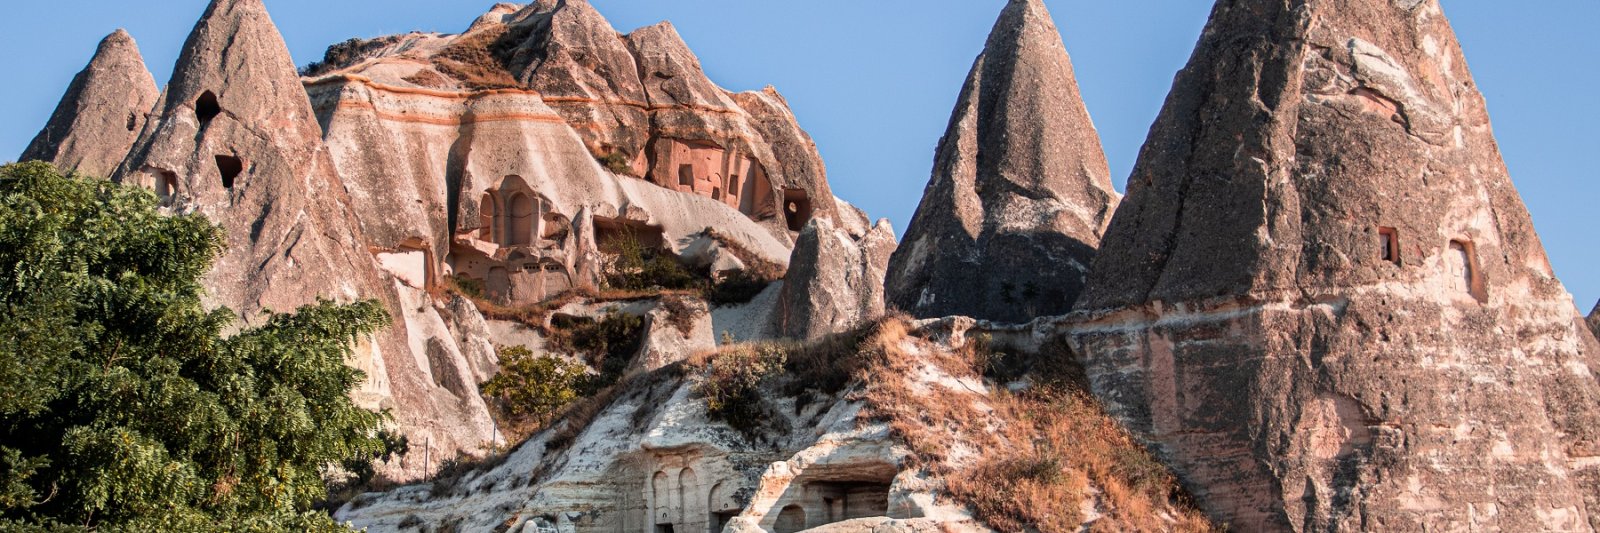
[
  {"x": 122, "y": 404},
  {"x": 534, "y": 387}
]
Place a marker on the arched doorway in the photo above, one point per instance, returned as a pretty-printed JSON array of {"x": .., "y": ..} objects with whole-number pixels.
[{"x": 791, "y": 520}]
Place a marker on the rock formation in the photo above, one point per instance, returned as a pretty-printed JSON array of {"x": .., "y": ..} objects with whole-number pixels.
[
  {"x": 234, "y": 138},
  {"x": 1323, "y": 300},
  {"x": 835, "y": 281},
  {"x": 1594, "y": 320},
  {"x": 102, "y": 113},
  {"x": 1020, "y": 191},
  {"x": 535, "y": 115}
]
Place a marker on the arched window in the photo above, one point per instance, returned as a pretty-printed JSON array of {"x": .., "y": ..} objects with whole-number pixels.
[
  {"x": 519, "y": 222},
  {"x": 486, "y": 219}
]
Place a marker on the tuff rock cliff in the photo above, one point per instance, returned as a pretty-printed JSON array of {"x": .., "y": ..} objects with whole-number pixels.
[
  {"x": 234, "y": 137},
  {"x": 1020, "y": 192},
  {"x": 102, "y": 113},
  {"x": 464, "y": 180},
  {"x": 1323, "y": 301}
]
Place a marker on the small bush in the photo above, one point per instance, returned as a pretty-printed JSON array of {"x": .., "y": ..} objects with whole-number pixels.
[
  {"x": 638, "y": 268},
  {"x": 533, "y": 387},
  {"x": 616, "y": 162},
  {"x": 737, "y": 288},
  {"x": 732, "y": 383},
  {"x": 471, "y": 288},
  {"x": 608, "y": 344}
]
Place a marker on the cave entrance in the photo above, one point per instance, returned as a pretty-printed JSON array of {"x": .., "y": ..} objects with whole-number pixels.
[
  {"x": 664, "y": 528},
  {"x": 206, "y": 108},
  {"x": 796, "y": 208},
  {"x": 230, "y": 167}
]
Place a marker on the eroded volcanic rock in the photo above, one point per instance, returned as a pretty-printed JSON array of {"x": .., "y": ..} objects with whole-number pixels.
[
  {"x": 1020, "y": 191},
  {"x": 234, "y": 138},
  {"x": 102, "y": 113},
  {"x": 1594, "y": 320},
  {"x": 1323, "y": 300},
  {"x": 835, "y": 281}
]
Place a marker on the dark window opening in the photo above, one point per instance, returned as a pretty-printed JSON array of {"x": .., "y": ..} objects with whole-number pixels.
[
  {"x": 230, "y": 167},
  {"x": 133, "y": 120},
  {"x": 207, "y": 108},
  {"x": 686, "y": 175},
  {"x": 1389, "y": 241},
  {"x": 716, "y": 193},
  {"x": 796, "y": 208},
  {"x": 722, "y": 519},
  {"x": 663, "y": 528}
]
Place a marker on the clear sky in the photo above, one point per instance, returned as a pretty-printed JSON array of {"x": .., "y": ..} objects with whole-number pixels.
[{"x": 874, "y": 81}]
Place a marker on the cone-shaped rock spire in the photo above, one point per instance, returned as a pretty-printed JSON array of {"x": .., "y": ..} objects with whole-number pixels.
[
  {"x": 102, "y": 113},
  {"x": 1020, "y": 191},
  {"x": 235, "y": 139},
  {"x": 1323, "y": 300}
]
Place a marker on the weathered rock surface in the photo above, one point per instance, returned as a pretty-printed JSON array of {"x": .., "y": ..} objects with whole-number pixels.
[
  {"x": 102, "y": 113},
  {"x": 234, "y": 138},
  {"x": 1323, "y": 300},
  {"x": 835, "y": 281},
  {"x": 498, "y": 178},
  {"x": 1594, "y": 320},
  {"x": 1020, "y": 191}
]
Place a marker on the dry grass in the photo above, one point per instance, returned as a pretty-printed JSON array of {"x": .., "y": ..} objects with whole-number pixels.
[
  {"x": 1026, "y": 461},
  {"x": 472, "y": 60}
]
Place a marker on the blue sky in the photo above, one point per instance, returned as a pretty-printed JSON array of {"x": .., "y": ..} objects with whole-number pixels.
[{"x": 874, "y": 81}]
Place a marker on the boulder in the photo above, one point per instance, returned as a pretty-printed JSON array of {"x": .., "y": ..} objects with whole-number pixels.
[
  {"x": 1323, "y": 301},
  {"x": 835, "y": 281},
  {"x": 102, "y": 113},
  {"x": 234, "y": 138},
  {"x": 1020, "y": 191}
]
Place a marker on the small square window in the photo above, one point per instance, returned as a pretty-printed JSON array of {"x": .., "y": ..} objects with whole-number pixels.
[{"x": 1389, "y": 245}]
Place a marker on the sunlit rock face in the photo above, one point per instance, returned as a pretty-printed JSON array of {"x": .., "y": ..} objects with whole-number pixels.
[
  {"x": 1323, "y": 300},
  {"x": 835, "y": 280},
  {"x": 517, "y": 153},
  {"x": 234, "y": 137},
  {"x": 1020, "y": 191},
  {"x": 102, "y": 113}
]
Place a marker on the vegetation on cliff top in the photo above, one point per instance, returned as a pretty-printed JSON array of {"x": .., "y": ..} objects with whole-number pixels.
[{"x": 123, "y": 406}]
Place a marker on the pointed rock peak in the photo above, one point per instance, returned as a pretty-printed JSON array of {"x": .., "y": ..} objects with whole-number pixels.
[
  {"x": 102, "y": 112},
  {"x": 1020, "y": 190}
]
